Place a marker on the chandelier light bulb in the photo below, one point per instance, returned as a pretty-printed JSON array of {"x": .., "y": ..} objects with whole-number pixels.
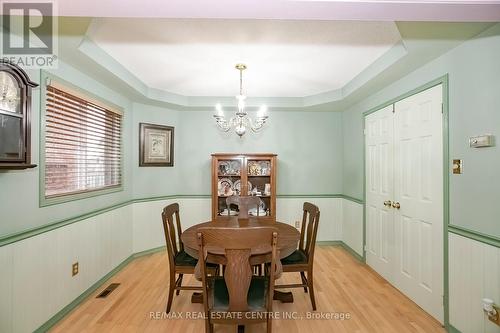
[
  {"x": 241, "y": 105},
  {"x": 262, "y": 111},
  {"x": 218, "y": 108}
]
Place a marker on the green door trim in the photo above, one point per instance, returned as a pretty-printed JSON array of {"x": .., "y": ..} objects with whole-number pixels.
[{"x": 443, "y": 80}]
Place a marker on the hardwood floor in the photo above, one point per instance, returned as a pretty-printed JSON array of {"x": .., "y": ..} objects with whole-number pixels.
[{"x": 342, "y": 285}]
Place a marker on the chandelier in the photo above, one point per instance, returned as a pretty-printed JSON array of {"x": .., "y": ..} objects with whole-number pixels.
[{"x": 241, "y": 121}]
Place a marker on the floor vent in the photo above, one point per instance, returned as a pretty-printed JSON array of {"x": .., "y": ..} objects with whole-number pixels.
[{"x": 109, "y": 289}]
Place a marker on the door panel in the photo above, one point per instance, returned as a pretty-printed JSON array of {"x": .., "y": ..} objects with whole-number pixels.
[
  {"x": 404, "y": 161},
  {"x": 380, "y": 188},
  {"x": 418, "y": 187}
]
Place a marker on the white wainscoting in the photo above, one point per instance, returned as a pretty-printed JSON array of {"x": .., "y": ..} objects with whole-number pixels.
[
  {"x": 289, "y": 210},
  {"x": 148, "y": 229},
  {"x": 352, "y": 225},
  {"x": 35, "y": 274},
  {"x": 474, "y": 273},
  {"x": 147, "y": 222}
]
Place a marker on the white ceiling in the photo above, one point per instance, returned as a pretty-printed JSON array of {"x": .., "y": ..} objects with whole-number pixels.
[
  {"x": 367, "y": 10},
  {"x": 196, "y": 57}
]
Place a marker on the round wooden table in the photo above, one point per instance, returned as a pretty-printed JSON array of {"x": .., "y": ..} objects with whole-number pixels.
[
  {"x": 288, "y": 236},
  {"x": 288, "y": 239}
]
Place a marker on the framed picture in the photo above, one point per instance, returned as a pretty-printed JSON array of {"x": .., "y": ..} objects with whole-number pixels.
[{"x": 156, "y": 145}]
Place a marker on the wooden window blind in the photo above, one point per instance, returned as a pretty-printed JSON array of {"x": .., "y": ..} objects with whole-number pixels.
[{"x": 82, "y": 145}]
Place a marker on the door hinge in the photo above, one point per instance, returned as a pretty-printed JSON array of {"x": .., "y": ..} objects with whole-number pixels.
[{"x": 442, "y": 108}]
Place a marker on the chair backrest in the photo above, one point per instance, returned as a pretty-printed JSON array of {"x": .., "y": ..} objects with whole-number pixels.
[
  {"x": 309, "y": 229},
  {"x": 244, "y": 204},
  {"x": 172, "y": 230},
  {"x": 238, "y": 244}
]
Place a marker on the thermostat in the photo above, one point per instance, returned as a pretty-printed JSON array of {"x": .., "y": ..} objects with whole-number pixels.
[{"x": 481, "y": 141}]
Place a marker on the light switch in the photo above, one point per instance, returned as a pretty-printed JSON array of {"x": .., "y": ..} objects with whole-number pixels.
[
  {"x": 481, "y": 141},
  {"x": 457, "y": 167}
]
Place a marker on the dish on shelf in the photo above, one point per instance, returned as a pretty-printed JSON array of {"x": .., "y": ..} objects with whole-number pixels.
[
  {"x": 237, "y": 186},
  {"x": 225, "y": 187},
  {"x": 259, "y": 168},
  {"x": 229, "y": 168},
  {"x": 231, "y": 212},
  {"x": 235, "y": 167},
  {"x": 223, "y": 167},
  {"x": 254, "y": 213}
]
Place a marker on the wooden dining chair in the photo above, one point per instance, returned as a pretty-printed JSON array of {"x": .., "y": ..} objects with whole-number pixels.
[
  {"x": 302, "y": 259},
  {"x": 244, "y": 204},
  {"x": 248, "y": 298},
  {"x": 179, "y": 261}
]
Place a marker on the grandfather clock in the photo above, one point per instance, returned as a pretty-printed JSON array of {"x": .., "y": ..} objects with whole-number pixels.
[{"x": 15, "y": 112}]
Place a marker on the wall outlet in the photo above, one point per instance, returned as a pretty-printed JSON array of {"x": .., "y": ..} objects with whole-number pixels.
[
  {"x": 74, "y": 269},
  {"x": 297, "y": 224}
]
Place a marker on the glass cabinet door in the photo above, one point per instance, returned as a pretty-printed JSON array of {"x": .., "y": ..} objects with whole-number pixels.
[
  {"x": 258, "y": 172},
  {"x": 229, "y": 173}
]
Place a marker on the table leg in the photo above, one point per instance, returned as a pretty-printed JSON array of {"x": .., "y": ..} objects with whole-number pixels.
[{"x": 284, "y": 297}]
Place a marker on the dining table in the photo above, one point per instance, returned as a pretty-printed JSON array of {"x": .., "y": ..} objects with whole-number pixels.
[{"x": 288, "y": 239}]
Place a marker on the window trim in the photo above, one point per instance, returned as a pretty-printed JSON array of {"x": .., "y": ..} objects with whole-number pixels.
[{"x": 45, "y": 80}]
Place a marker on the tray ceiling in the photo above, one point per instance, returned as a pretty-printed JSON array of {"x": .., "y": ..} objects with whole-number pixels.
[{"x": 196, "y": 57}]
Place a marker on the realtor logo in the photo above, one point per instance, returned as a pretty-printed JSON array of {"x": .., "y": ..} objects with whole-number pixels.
[{"x": 29, "y": 36}]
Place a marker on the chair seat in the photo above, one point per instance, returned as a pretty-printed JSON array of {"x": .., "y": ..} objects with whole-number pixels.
[
  {"x": 184, "y": 259},
  {"x": 256, "y": 299},
  {"x": 297, "y": 257}
]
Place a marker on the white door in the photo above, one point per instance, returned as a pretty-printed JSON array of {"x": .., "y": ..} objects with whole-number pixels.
[
  {"x": 379, "y": 127},
  {"x": 418, "y": 188},
  {"x": 404, "y": 165}
]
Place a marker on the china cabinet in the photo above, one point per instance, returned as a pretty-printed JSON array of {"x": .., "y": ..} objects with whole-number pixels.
[{"x": 244, "y": 175}]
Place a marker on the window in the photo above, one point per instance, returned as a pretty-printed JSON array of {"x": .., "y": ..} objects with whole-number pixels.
[{"x": 82, "y": 144}]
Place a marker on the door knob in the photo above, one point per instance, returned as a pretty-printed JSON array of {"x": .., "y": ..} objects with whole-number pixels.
[
  {"x": 396, "y": 205},
  {"x": 387, "y": 203}
]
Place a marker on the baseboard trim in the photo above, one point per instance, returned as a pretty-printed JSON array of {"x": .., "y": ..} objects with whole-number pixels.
[
  {"x": 352, "y": 252},
  {"x": 343, "y": 245},
  {"x": 77, "y": 301},
  {"x": 452, "y": 329}
]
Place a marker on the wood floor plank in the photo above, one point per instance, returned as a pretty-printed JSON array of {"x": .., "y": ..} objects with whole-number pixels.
[{"x": 343, "y": 285}]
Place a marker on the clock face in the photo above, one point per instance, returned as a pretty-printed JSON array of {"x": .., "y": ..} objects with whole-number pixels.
[{"x": 10, "y": 93}]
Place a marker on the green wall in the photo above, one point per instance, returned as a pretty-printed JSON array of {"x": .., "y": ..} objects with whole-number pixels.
[
  {"x": 308, "y": 144},
  {"x": 154, "y": 181},
  {"x": 19, "y": 190},
  {"x": 474, "y": 108}
]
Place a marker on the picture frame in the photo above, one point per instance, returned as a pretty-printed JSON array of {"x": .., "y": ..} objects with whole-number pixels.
[{"x": 156, "y": 145}]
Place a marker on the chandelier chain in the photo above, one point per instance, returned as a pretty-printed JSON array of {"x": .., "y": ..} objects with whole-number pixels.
[{"x": 241, "y": 81}]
